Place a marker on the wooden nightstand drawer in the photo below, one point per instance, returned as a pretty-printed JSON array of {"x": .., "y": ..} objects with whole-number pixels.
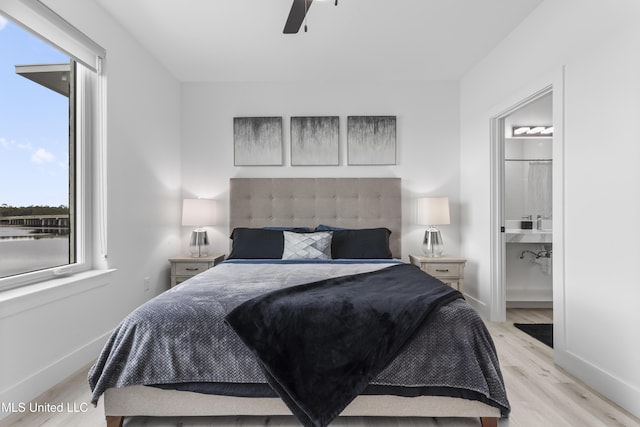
[
  {"x": 443, "y": 270},
  {"x": 185, "y": 267},
  {"x": 448, "y": 269},
  {"x": 190, "y": 268}
]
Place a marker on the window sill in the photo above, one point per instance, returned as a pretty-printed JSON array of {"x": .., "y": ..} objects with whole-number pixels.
[{"x": 17, "y": 300}]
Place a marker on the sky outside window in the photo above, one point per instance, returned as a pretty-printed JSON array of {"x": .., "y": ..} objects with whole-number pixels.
[{"x": 34, "y": 125}]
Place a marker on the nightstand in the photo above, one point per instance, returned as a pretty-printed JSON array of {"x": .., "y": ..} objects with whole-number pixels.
[
  {"x": 184, "y": 266},
  {"x": 448, "y": 269}
]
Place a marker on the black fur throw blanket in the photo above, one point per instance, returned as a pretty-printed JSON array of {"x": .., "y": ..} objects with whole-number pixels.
[{"x": 320, "y": 344}]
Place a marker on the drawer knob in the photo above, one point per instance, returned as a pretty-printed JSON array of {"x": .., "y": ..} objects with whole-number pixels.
[
  {"x": 192, "y": 269},
  {"x": 442, "y": 270}
]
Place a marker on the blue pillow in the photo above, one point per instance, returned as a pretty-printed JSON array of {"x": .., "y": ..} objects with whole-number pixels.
[
  {"x": 323, "y": 227},
  {"x": 294, "y": 229},
  {"x": 256, "y": 243},
  {"x": 367, "y": 243}
]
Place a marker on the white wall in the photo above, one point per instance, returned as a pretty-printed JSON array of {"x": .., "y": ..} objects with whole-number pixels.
[
  {"x": 46, "y": 336},
  {"x": 598, "y": 295},
  {"x": 427, "y": 141}
]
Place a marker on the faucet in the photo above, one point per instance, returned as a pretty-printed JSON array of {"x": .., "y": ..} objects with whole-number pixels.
[
  {"x": 546, "y": 253},
  {"x": 539, "y": 222}
]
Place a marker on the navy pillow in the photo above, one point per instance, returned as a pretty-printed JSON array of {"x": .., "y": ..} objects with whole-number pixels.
[
  {"x": 367, "y": 243},
  {"x": 256, "y": 243},
  {"x": 294, "y": 229},
  {"x": 323, "y": 227}
]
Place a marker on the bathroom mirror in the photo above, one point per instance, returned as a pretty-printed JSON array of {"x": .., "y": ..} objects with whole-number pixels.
[{"x": 528, "y": 178}]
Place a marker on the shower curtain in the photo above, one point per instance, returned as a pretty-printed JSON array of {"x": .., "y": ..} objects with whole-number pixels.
[{"x": 539, "y": 191}]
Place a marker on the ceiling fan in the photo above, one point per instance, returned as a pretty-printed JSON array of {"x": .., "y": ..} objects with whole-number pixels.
[{"x": 297, "y": 15}]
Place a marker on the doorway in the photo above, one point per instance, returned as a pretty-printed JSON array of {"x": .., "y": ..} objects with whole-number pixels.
[
  {"x": 527, "y": 203},
  {"x": 549, "y": 88}
]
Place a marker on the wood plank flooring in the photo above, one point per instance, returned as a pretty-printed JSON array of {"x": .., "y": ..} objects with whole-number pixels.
[{"x": 540, "y": 394}]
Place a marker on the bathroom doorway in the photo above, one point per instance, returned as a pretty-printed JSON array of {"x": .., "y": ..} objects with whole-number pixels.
[
  {"x": 522, "y": 105},
  {"x": 527, "y": 214},
  {"x": 550, "y": 85}
]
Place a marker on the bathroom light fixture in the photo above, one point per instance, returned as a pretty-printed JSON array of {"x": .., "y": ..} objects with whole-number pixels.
[
  {"x": 198, "y": 212},
  {"x": 433, "y": 211},
  {"x": 533, "y": 130}
]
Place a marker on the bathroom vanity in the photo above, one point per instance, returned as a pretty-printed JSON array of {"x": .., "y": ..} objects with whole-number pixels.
[{"x": 515, "y": 234}]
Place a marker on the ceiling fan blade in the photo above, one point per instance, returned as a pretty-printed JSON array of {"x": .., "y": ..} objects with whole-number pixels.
[{"x": 296, "y": 16}]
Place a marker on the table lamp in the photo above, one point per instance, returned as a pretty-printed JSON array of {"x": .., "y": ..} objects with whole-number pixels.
[
  {"x": 433, "y": 211},
  {"x": 198, "y": 212}
]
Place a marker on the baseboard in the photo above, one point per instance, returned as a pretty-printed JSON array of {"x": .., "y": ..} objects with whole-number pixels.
[
  {"x": 613, "y": 388},
  {"x": 39, "y": 382}
]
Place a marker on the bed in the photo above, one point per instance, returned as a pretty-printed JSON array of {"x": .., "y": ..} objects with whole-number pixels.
[{"x": 143, "y": 374}]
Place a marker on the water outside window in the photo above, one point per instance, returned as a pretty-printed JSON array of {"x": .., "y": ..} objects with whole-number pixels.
[{"x": 35, "y": 154}]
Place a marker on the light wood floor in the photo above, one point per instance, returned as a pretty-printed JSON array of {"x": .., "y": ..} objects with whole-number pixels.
[{"x": 540, "y": 394}]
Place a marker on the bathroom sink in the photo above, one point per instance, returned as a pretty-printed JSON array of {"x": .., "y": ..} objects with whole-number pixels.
[{"x": 517, "y": 235}]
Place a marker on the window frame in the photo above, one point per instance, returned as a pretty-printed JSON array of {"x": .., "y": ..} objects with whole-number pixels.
[{"x": 87, "y": 155}]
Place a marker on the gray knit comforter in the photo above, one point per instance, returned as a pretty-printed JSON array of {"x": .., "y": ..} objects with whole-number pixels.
[{"x": 180, "y": 337}]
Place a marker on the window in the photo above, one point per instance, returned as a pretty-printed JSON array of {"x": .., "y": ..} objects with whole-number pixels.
[{"x": 48, "y": 128}]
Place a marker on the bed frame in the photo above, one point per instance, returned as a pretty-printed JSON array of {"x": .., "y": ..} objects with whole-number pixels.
[{"x": 260, "y": 202}]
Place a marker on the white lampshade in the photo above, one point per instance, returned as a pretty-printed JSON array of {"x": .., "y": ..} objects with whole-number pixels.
[
  {"x": 199, "y": 212},
  {"x": 433, "y": 211}
]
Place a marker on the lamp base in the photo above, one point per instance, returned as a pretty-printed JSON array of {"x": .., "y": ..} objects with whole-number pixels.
[
  {"x": 432, "y": 246},
  {"x": 199, "y": 243}
]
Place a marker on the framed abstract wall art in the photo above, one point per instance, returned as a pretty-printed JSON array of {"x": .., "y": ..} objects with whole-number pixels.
[
  {"x": 257, "y": 141},
  {"x": 315, "y": 141},
  {"x": 371, "y": 140}
]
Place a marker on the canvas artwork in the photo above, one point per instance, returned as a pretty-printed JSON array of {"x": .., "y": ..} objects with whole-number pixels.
[
  {"x": 315, "y": 141},
  {"x": 257, "y": 141},
  {"x": 371, "y": 140}
]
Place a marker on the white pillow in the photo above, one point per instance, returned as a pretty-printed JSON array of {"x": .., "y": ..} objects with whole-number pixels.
[{"x": 307, "y": 245}]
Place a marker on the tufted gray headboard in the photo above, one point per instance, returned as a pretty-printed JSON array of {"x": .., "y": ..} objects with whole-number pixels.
[{"x": 307, "y": 202}]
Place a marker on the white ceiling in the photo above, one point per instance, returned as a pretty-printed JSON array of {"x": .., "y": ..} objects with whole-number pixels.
[{"x": 242, "y": 40}]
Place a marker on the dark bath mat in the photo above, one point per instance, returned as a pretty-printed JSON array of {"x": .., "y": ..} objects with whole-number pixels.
[{"x": 543, "y": 332}]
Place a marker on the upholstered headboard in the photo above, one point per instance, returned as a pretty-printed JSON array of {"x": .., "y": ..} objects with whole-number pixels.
[{"x": 308, "y": 202}]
